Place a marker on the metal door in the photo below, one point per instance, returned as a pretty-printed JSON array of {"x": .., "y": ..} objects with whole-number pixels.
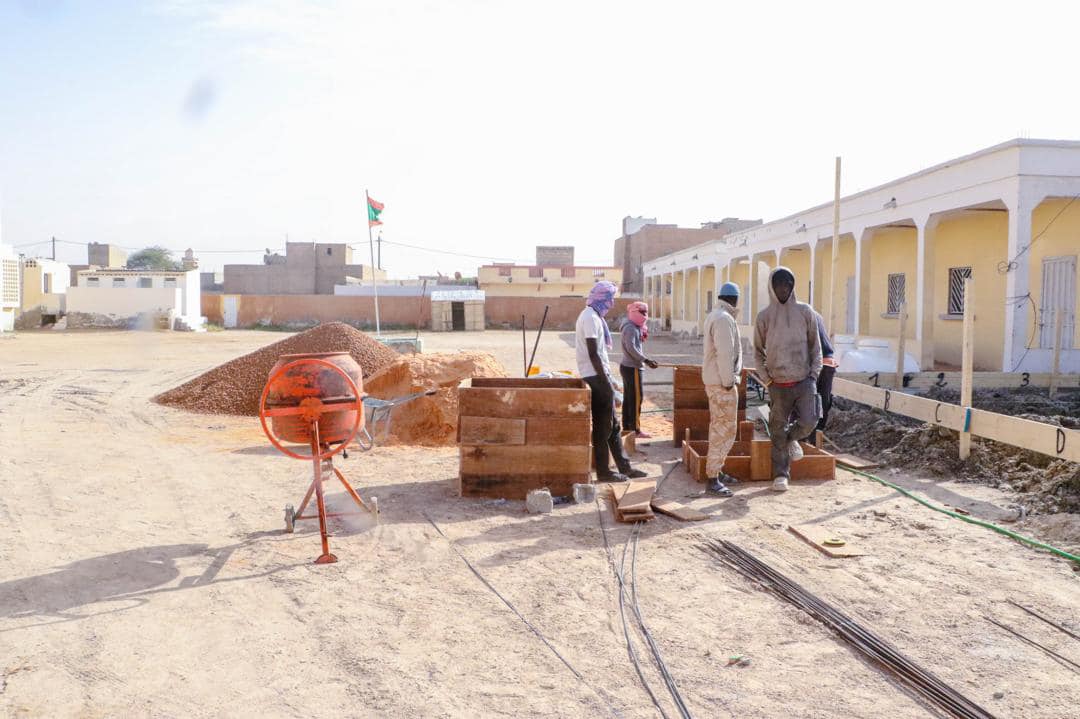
[
  {"x": 457, "y": 316},
  {"x": 230, "y": 307},
  {"x": 1058, "y": 296}
]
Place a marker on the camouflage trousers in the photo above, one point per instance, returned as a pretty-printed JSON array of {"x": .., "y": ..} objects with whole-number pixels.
[{"x": 723, "y": 425}]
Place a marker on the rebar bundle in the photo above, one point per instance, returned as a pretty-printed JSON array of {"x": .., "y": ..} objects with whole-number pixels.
[{"x": 877, "y": 650}]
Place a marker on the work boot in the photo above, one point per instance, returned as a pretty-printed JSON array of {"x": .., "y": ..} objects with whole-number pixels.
[
  {"x": 795, "y": 450},
  {"x": 780, "y": 484},
  {"x": 612, "y": 477},
  {"x": 716, "y": 486},
  {"x": 636, "y": 473}
]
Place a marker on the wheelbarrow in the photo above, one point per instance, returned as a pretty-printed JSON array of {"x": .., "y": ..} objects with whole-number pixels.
[{"x": 377, "y": 416}]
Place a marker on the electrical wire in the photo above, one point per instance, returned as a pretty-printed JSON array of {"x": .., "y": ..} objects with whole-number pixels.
[
  {"x": 580, "y": 677},
  {"x": 965, "y": 518},
  {"x": 444, "y": 252},
  {"x": 1034, "y": 328},
  {"x": 1005, "y": 267}
]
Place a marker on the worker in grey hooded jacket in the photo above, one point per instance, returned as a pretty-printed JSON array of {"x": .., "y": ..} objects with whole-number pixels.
[{"x": 787, "y": 353}]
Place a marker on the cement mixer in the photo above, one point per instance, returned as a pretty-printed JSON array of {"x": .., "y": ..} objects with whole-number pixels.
[{"x": 316, "y": 400}]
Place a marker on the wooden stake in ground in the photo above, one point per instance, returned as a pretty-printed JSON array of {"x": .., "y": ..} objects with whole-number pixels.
[
  {"x": 900, "y": 346},
  {"x": 966, "y": 364},
  {"x": 835, "y": 257},
  {"x": 1056, "y": 363}
]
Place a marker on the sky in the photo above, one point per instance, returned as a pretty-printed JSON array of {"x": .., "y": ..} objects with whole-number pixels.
[{"x": 487, "y": 127}]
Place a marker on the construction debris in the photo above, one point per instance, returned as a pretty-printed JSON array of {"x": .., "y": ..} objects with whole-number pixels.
[
  {"x": 1046, "y": 485},
  {"x": 632, "y": 501},
  {"x": 538, "y": 501}
]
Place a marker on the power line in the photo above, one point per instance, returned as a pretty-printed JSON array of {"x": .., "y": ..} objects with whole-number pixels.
[
  {"x": 446, "y": 252},
  {"x": 1004, "y": 267}
]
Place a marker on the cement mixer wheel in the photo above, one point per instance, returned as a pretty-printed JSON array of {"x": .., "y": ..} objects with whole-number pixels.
[{"x": 290, "y": 518}]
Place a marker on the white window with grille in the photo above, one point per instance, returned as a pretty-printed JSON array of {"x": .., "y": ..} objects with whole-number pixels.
[
  {"x": 897, "y": 293},
  {"x": 957, "y": 275},
  {"x": 145, "y": 282},
  {"x": 118, "y": 282},
  {"x": 11, "y": 282},
  {"x": 1058, "y": 298}
]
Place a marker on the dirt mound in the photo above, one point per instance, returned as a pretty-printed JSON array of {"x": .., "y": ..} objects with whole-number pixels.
[
  {"x": 430, "y": 421},
  {"x": 1045, "y": 484},
  {"x": 235, "y": 387}
]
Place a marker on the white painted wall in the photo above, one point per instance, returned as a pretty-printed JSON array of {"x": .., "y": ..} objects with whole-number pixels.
[
  {"x": 188, "y": 283},
  {"x": 120, "y": 302}
]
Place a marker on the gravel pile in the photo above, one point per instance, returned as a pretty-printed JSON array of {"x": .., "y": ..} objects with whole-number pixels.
[{"x": 235, "y": 387}]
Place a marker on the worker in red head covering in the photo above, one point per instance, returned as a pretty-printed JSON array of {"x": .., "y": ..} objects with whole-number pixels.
[{"x": 635, "y": 330}]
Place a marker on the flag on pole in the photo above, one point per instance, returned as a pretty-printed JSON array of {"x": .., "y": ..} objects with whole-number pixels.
[{"x": 374, "y": 209}]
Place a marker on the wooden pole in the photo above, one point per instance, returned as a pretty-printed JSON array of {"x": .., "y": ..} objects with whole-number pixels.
[
  {"x": 900, "y": 346},
  {"x": 1056, "y": 363},
  {"x": 966, "y": 361},
  {"x": 835, "y": 269}
]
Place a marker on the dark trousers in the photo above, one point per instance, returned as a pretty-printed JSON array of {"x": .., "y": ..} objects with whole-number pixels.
[
  {"x": 631, "y": 404},
  {"x": 800, "y": 402},
  {"x": 824, "y": 388},
  {"x": 606, "y": 431}
]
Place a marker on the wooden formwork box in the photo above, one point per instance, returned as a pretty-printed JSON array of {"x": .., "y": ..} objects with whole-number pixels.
[
  {"x": 516, "y": 435},
  {"x": 692, "y": 404},
  {"x": 750, "y": 458}
]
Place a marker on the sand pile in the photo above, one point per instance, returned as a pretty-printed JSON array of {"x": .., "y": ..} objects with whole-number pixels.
[
  {"x": 235, "y": 387},
  {"x": 431, "y": 420},
  {"x": 1045, "y": 484}
]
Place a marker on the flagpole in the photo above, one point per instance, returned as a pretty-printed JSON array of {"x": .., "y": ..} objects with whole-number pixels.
[{"x": 371, "y": 248}]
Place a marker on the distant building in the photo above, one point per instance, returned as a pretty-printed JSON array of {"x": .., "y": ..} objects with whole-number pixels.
[
  {"x": 105, "y": 255},
  {"x": 643, "y": 240},
  {"x": 555, "y": 256},
  {"x": 190, "y": 261},
  {"x": 543, "y": 280},
  {"x": 130, "y": 298},
  {"x": 98, "y": 254},
  {"x": 213, "y": 282},
  {"x": 44, "y": 291},
  {"x": 308, "y": 268},
  {"x": 9, "y": 288}
]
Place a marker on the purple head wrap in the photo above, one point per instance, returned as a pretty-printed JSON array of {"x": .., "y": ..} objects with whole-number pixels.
[{"x": 602, "y": 299}]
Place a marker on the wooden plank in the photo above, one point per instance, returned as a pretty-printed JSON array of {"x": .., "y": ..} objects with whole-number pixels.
[
  {"x": 690, "y": 398},
  {"x": 617, "y": 492},
  {"x": 638, "y": 495},
  {"x": 921, "y": 381},
  {"x": 850, "y": 460},
  {"x": 761, "y": 459},
  {"x": 489, "y": 430},
  {"x": 558, "y": 431},
  {"x": 688, "y": 377},
  {"x": 695, "y": 457},
  {"x": 516, "y": 487},
  {"x": 966, "y": 361},
  {"x": 696, "y": 419},
  {"x": 679, "y": 511},
  {"x": 900, "y": 347},
  {"x": 524, "y": 460},
  {"x": 1047, "y": 439},
  {"x": 523, "y": 403},
  {"x": 927, "y": 410},
  {"x": 520, "y": 382},
  {"x": 815, "y": 535},
  {"x": 746, "y": 431}
]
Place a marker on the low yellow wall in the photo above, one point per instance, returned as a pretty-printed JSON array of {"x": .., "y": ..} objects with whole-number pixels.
[{"x": 798, "y": 261}]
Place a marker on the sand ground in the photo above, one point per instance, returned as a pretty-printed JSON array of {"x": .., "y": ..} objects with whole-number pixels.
[{"x": 145, "y": 572}]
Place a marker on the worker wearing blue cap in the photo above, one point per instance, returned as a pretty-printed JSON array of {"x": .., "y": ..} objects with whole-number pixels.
[{"x": 721, "y": 369}]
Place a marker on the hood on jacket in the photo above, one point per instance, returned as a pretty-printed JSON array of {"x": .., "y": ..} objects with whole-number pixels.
[{"x": 772, "y": 294}]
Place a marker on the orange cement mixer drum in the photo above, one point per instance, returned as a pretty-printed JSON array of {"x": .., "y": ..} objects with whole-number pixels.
[{"x": 324, "y": 387}]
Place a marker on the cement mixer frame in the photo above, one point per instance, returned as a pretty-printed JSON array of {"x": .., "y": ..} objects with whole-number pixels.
[{"x": 312, "y": 409}]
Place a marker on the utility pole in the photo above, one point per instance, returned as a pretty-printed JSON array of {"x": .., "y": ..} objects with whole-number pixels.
[
  {"x": 54, "y": 248},
  {"x": 380, "y": 251}
]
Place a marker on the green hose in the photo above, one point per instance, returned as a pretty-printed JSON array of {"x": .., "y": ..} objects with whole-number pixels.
[{"x": 969, "y": 520}]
